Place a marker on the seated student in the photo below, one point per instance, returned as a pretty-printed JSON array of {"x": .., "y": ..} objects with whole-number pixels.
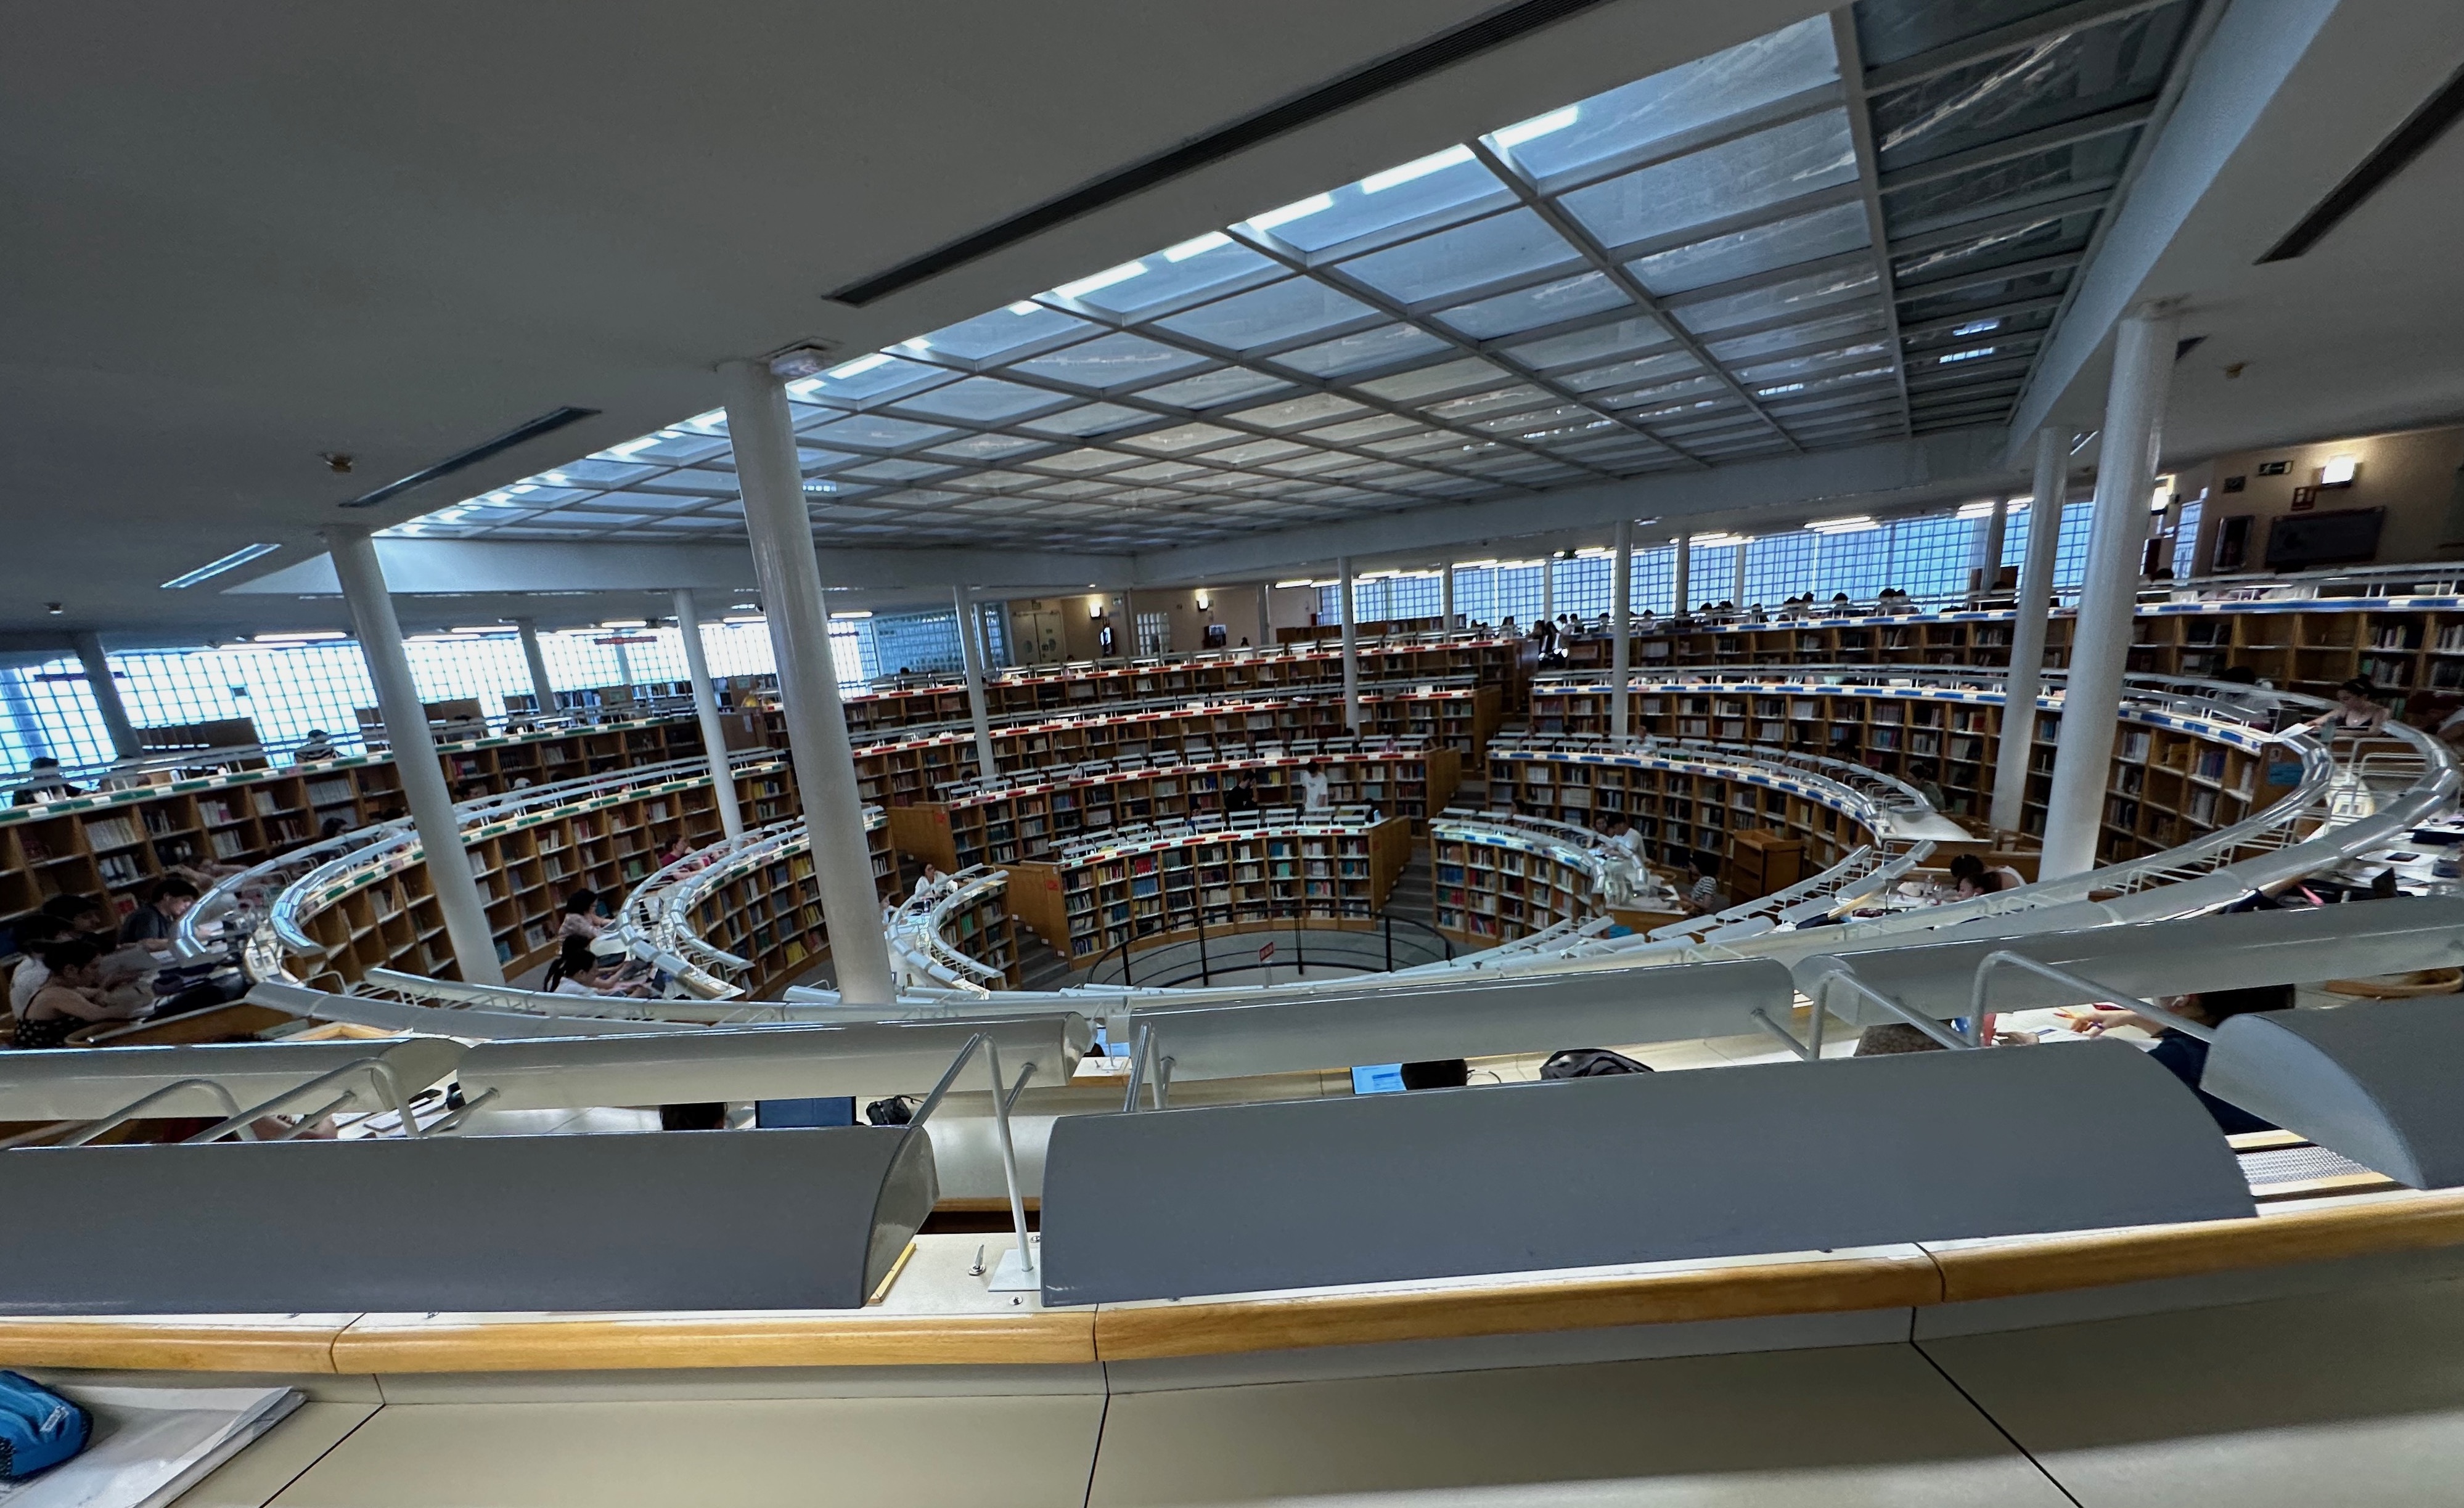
[
  {"x": 1242, "y": 797},
  {"x": 84, "y": 917},
  {"x": 934, "y": 884},
  {"x": 1703, "y": 894},
  {"x": 33, "y": 934},
  {"x": 1921, "y": 776},
  {"x": 43, "y": 783},
  {"x": 2358, "y": 710},
  {"x": 579, "y": 971},
  {"x": 158, "y": 921},
  {"x": 63, "y": 1004},
  {"x": 2185, "y": 1055},
  {"x": 317, "y": 744},
  {"x": 1970, "y": 878},
  {"x": 582, "y": 918}
]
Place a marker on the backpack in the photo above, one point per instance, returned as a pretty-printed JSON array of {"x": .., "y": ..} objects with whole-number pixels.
[
  {"x": 38, "y": 1428},
  {"x": 1589, "y": 1062}
]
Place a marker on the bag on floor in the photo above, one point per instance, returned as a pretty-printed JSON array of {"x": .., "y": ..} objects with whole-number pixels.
[
  {"x": 38, "y": 1428},
  {"x": 1589, "y": 1062}
]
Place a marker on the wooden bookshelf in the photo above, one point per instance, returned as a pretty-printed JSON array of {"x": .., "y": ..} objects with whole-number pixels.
[
  {"x": 1681, "y": 806},
  {"x": 1493, "y": 886},
  {"x": 2405, "y": 646},
  {"x": 2175, "y": 778},
  {"x": 384, "y": 915},
  {"x": 904, "y": 772},
  {"x": 1169, "y": 888},
  {"x": 1031, "y": 821},
  {"x": 1504, "y": 664},
  {"x": 117, "y": 843},
  {"x": 769, "y": 913},
  {"x": 978, "y": 926}
]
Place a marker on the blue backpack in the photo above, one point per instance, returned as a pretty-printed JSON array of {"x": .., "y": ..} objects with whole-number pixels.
[{"x": 38, "y": 1428}]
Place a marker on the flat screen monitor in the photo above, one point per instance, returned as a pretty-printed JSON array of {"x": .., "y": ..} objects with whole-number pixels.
[{"x": 2345, "y": 537}]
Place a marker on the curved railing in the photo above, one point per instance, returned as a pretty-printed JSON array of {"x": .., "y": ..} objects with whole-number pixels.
[{"x": 920, "y": 947}]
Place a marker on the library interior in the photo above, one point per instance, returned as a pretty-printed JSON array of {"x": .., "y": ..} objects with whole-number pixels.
[{"x": 1420, "y": 673}]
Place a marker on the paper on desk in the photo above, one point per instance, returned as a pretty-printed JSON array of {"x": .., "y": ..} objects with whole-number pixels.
[{"x": 151, "y": 1444}]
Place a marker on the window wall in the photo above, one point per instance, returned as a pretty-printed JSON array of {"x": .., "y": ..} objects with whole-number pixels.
[{"x": 47, "y": 710}]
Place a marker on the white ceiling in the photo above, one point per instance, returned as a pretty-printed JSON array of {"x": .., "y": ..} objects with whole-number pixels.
[{"x": 260, "y": 232}]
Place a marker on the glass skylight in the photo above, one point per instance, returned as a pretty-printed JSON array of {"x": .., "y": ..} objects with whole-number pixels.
[{"x": 1674, "y": 273}]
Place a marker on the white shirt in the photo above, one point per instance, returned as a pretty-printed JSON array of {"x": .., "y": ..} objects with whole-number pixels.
[
  {"x": 1706, "y": 891},
  {"x": 1313, "y": 796},
  {"x": 29, "y": 978}
]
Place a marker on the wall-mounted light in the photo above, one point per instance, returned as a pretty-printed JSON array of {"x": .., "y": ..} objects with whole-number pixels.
[
  {"x": 1204, "y": 602},
  {"x": 2340, "y": 471},
  {"x": 1094, "y": 607}
]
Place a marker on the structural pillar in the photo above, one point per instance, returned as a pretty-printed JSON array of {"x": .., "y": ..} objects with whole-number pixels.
[
  {"x": 2134, "y": 413},
  {"x": 1351, "y": 648},
  {"x": 414, "y": 757},
  {"x": 1548, "y": 583},
  {"x": 543, "y": 689},
  {"x": 713, "y": 733},
  {"x": 1620, "y": 629},
  {"x": 1446, "y": 597},
  {"x": 2034, "y": 608},
  {"x": 1685, "y": 571},
  {"x": 790, "y": 577},
  {"x": 1738, "y": 594},
  {"x": 1996, "y": 523},
  {"x": 971, "y": 656},
  {"x": 107, "y": 697}
]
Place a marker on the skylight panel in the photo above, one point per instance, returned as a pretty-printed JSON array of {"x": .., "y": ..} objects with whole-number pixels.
[
  {"x": 1434, "y": 189},
  {"x": 1014, "y": 327},
  {"x": 1210, "y": 263},
  {"x": 1225, "y": 384},
  {"x": 1624, "y": 124},
  {"x": 1281, "y": 311},
  {"x": 1777, "y": 300},
  {"x": 986, "y": 447},
  {"x": 1641, "y": 332},
  {"x": 1838, "y": 327},
  {"x": 1640, "y": 369},
  {"x": 1530, "y": 308},
  {"x": 984, "y": 398},
  {"x": 1362, "y": 350},
  {"x": 1475, "y": 255},
  {"x": 877, "y": 433},
  {"x": 1296, "y": 412},
  {"x": 1180, "y": 438},
  {"x": 1448, "y": 377},
  {"x": 1109, "y": 363},
  {"x": 1762, "y": 249},
  {"x": 1768, "y": 167},
  {"x": 1091, "y": 420},
  {"x": 865, "y": 379}
]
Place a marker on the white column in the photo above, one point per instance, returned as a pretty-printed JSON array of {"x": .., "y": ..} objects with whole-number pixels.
[
  {"x": 790, "y": 578},
  {"x": 624, "y": 658},
  {"x": 107, "y": 697},
  {"x": 2027, "y": 629},
  {"x": 414, "y": 757},
  {"x": 1621, "y": 611},
  {"x": 1684, "y": 572},
  {"x": 2134, "y": 415},
  {"x": 1738, "y": 594},
  {"x": 543, "y": 689},
  {"x": 713, "y": 734},
  {"x": 1548, "y": 583},
  {"x": 1265, "y": 616},
  {"x": 979, "y": 622},
  {"x": 1351, "y": 648},
  {"x": 971, "y": 656},
  {"x": 1446, "y": 597},
  {"x": 1996, "y": 524}
]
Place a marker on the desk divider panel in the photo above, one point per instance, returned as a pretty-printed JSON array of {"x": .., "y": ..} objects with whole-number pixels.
[
  {"x": 768, "y": 1062},
  {"x": 2374, "y": 1082},
  {"x": 87, "y": 1083},
  {"x": 791, "y": 1219},
  {"x": 1652, "y": 1168},
  {"x": 1470, "y": 1019},
  {"x": 2225, "y": 952}
]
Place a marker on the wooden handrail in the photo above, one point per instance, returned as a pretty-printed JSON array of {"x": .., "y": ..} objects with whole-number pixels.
[{"x": 1914, "y": 1275}]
